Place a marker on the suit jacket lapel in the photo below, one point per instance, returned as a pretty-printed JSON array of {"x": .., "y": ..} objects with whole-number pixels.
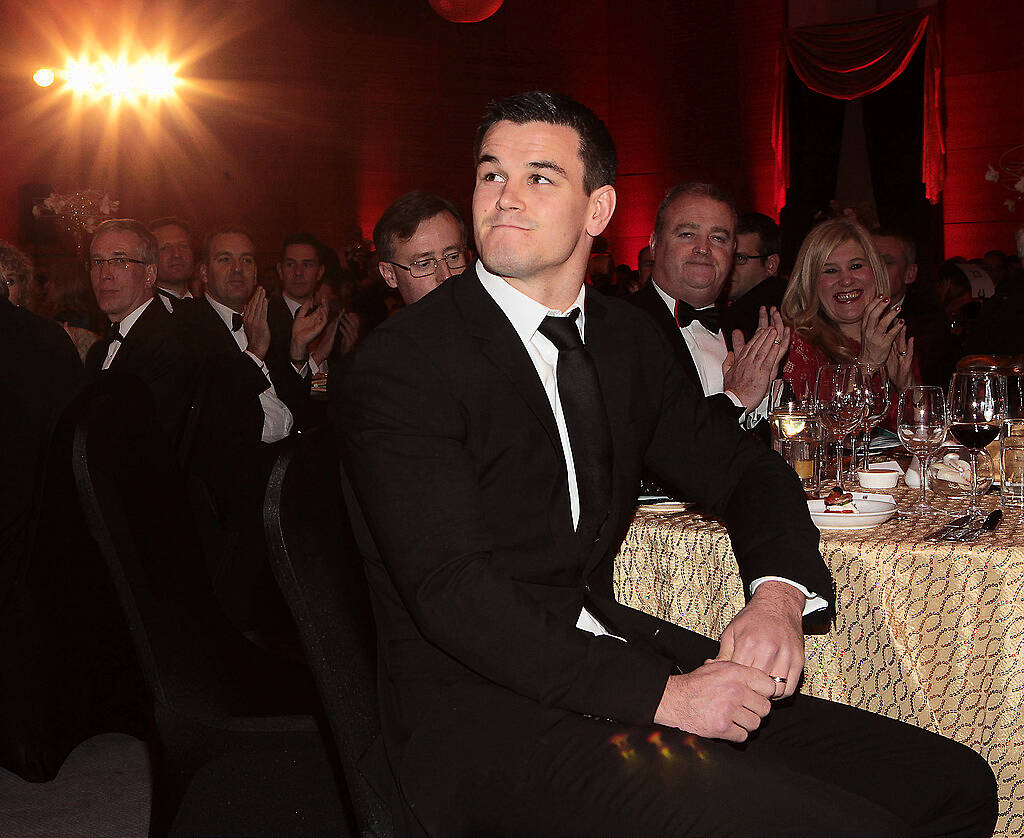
[
  {"x": 647, "y": 298},
  {"x": 499, "y": 342}
]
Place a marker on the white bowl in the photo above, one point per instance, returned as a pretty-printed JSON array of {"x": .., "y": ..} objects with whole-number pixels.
[{"x": 878, "y": 478}]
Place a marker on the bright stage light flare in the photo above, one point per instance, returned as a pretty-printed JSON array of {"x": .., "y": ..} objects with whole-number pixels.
[
  {"x": 151, "y": 77},
  {"x": 43, "y": 77}
]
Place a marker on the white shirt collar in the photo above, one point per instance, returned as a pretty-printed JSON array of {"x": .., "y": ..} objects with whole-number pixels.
[
  {"x": 128, "y": 321},
  {"x": 293, "y": 305},
  {"x": 222, "y": 310},
  {"x": 525, "y": 314}
]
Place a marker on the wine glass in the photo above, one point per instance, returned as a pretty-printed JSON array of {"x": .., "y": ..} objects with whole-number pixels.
[
  {"x": 977, "y": 409},
  {"x": 877, "y": 394},
  {"x": 921, "y": 424},
  {"x": 841, "y": 405}
]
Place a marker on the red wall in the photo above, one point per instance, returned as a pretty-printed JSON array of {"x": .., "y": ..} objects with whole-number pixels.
[
  {"x": 984, "y": 64},
  {"x": 316, "y": 115}
]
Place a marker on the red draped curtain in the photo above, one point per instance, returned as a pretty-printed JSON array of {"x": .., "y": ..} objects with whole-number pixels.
[{"x": 850, "y": 60}]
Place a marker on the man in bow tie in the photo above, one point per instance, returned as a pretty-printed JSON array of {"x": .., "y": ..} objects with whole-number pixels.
[
  {"x": 693, "y": 244},
  {"x": 176, "y": 264},
  {"x": 142, "y": 338}
]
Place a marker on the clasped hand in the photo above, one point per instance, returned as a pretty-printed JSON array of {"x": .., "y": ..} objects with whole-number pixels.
[{"x": 727, "y": 697}]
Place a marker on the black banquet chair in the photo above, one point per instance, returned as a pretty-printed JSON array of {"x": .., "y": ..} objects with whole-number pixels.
[
  {"x": 319, "y": 568},
  {"x": 238, "y": 749}
]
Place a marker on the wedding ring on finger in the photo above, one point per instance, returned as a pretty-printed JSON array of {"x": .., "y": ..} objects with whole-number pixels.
[
  {"x": 777, "y": 342},
  {"x": 901, "y": 354}
]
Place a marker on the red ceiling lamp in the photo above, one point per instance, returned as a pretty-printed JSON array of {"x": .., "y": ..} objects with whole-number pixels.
[{"x": 465, "y": 11}]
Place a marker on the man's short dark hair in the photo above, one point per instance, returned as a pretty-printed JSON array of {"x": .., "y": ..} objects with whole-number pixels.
[
  {"x": 304, "y": 238},
  {"x": 904, "y": 238},
  {"x": 768, "y": 236},
  {"x": 149, "y": 249},
  {"x": 400, "y": 221},
  {"x": 170, "y": 221},
  {"x": 222, "y": 231},
  {"x": 691, "y": 188},
  {"x": 597, "y": 151}
]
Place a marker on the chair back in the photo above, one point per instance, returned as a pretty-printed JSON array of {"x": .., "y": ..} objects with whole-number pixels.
[
  {"x": 133, "y": 493},
  {"x": 320, "y": 571}
]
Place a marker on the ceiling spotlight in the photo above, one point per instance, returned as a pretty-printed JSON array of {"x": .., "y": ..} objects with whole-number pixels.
[
  {"x": 43, "y": 77},
  {"x": 117, "y": 79}
]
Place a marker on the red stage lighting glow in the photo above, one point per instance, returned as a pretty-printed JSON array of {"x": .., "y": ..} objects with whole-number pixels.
[{"x": 465, "y": 11}]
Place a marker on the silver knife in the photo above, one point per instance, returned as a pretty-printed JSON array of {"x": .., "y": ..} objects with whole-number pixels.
[
  {"x": 942, "y": 532},
  {"x": 989, "y": 524}
]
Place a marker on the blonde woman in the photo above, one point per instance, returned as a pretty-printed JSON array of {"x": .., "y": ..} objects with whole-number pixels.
[{"x": 837, "y": 303}]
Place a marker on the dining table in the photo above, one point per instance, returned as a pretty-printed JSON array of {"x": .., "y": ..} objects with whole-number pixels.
[{"x": 927, "y": 632}]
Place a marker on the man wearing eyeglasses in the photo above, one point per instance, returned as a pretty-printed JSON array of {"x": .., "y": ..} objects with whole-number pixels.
[
  {"x": 421, "y": 242},
  {"x": 754, "y": 281},
  {"x": 142, "y": 338}
]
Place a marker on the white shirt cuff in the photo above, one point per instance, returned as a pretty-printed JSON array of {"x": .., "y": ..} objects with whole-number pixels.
[{"x": 814, "y": 601}]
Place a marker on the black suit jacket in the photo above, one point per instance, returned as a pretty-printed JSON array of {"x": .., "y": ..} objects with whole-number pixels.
[
  {"x": 154, "y": 352},
  {"x": 648, "y": 300},
  {"x": 453, "y": 451}
]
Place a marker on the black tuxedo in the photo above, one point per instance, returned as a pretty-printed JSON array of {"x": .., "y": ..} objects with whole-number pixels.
[
  {"x": 40, "y": 372},
  {"x": 501, "y": 717},
  {"x": 743, "y": 312},
  {"x": 647, "y": 299},
  {"x": 154, "y": 351}
]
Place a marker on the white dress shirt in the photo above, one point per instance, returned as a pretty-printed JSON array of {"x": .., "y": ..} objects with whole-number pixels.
[
  {"x": 123, "y": 327},
  {"x": 708, "y": 350},
  {"x": 526, "y": 315},
  {"x": 277, "y": 418}
]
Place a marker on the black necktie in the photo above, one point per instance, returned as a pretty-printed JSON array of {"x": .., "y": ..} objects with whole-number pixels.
[
  {"x": 708, "y": 317},
  {"x": 236, "y": 322},
  {"x": 586, "y": 420},
  {"x": 113, "y": 332}
]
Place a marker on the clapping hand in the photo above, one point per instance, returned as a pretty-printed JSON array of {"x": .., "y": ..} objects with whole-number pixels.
[
  {"x": 254, "y": 322},
  {"x": 309, "y": 322},
  {"x": 879, "y": 327},
  {"x": 748, "y": 371}
]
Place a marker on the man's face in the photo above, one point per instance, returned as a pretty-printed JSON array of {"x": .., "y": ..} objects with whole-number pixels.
[
  {"x": 645, "y": 266},
  {"x": 693, "y": 254},
  {"x": 756, "y": 267},
  {"x": 534, "y": 222},
  {"x": 230, "y": 270},
  {"x": 435, "y": 238},
  {"x": 300, "y": 271},
  {"x": 175, "y": 263},
  {"x": 120, "y": 289},
  {"x": 900, "y": 273}
]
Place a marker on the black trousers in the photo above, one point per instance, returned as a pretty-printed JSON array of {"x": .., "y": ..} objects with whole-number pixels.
[{"x": 499, "y": 765}]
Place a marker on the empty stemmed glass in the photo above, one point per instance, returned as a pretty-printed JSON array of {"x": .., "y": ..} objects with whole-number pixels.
[
  {"x": 841, "y": 405},
  {"x": 921, "y": 424},
  {"x": 977, "y": 409},
  {"x": 874, "y": 381}
]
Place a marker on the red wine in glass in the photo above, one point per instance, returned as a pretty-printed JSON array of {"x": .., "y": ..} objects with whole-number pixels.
[{"x": 974, "y": 435}]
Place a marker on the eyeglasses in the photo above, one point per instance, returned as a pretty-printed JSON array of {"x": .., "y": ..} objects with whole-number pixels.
[
  {"x": 743, "y": 258},
  {"x": 426, "y": 267},
  {"x": 121, "y": 262}
]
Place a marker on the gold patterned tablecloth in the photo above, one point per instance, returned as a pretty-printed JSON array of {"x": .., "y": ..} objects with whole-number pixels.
[{"x": 931, "y": 633}]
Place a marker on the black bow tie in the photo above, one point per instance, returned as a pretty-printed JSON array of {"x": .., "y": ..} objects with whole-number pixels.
[
  {"x": 236, "y": 322},
  {"x": 709, "y": 317},
  {"x": 113, "y": 332}
]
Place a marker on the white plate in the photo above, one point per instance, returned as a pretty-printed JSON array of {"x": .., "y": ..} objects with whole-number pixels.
[
  {"x": 872, "y": 510},
  {"x": 666, "y": 507}
]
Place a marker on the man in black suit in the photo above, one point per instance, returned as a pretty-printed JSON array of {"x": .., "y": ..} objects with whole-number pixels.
[
  {"x": 40, "y": 372},
  {"x": 176, "y": 263},
  {"x": 244, "y": 406},
  {"x": 754, "y": 282},
  {"x": 518, "y": 698},
  {"x": 693, "y": 244},
  {"x": 142, "y": 338}
]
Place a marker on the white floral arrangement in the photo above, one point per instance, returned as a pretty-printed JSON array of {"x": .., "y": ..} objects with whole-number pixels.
[
  {"x": 1011, "y": 166},
  {"x": 79, "y": 212}
]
